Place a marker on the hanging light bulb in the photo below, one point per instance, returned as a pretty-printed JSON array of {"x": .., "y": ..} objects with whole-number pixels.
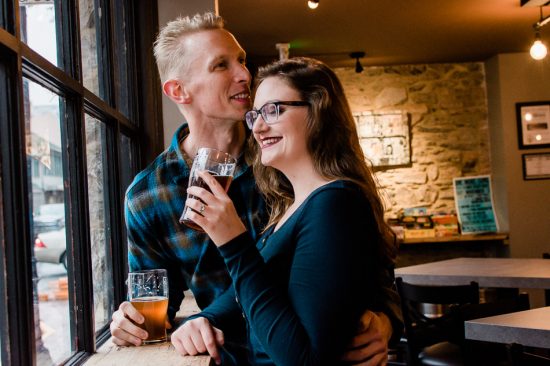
[
  {"x": 313, "y": 4},
  {"x": 538, "y": 50}
]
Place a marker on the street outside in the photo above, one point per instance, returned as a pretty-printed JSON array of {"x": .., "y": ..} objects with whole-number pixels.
[{"x": 54, "y": 314}]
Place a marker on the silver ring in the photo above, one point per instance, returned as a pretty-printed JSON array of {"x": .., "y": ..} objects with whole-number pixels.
[{"x": 201, "y": 210}]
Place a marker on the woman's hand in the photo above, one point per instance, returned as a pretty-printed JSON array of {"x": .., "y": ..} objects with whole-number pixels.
[
  {"x": 370, "y": 345},
  {"x": 198, "y": 336},
  {"x": 216, "y": 213}
]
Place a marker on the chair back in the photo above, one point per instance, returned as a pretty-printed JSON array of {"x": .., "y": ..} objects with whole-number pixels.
[{"x": 422, "y": 330}]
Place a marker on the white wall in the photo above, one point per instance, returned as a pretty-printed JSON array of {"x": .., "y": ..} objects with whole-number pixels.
[
  {"x": 168, "y": 10},
  {"x": 523, "y": 206}
]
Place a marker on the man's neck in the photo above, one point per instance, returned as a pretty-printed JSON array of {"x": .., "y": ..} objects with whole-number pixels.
[{"x": 225, "y": 137}]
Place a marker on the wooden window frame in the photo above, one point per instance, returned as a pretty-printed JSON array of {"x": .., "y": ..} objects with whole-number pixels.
[{"x": 143, "y": 127}]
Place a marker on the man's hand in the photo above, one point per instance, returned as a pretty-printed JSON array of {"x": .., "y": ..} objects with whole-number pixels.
[
  {"x": 198, "y": 336},
  {"x": 370, "y": 344},
  {"x": 124, "y": 330}
]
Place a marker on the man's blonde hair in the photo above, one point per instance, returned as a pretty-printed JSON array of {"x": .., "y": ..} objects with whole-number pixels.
[{"x": 169, "y": 50}]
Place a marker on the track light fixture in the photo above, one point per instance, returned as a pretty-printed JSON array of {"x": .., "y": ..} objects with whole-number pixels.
[
  {"x": 538, "y": 50},
  {"x": 313, "y": 4},
  {"x": 357, "y": 56}
]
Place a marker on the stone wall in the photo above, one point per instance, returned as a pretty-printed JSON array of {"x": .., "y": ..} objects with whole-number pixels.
[{"x": 447, "y": 107}]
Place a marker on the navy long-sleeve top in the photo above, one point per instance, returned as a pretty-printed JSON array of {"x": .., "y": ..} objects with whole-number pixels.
[{"x": 303, "y": 288}]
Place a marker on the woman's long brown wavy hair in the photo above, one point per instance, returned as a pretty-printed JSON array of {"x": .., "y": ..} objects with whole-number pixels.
[{"x": 333, "y": 142}]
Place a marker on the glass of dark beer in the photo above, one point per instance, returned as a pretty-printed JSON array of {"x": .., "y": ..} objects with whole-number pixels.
[
  {"x": 148, "y": 293},
  {"x": 219, "y": 164}
]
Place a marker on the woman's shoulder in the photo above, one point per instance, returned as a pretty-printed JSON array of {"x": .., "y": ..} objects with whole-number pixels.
[{"x": 338, "y": 193}]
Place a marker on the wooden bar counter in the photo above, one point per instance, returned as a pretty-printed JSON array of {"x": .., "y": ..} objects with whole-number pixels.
[{"x": 153, "y": 354}]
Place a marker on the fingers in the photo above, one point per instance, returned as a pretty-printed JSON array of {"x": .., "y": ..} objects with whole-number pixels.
[
  {"x": 372, "y": 353},
  {"x": 198, "y": 336},
  {"x": 365, "y": 321},
  {"x": 123, "y": 328}
]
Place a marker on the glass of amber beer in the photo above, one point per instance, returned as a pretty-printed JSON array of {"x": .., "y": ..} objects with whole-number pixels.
[
  {"x": 219, "y": 164},
  {"x": 148, "y": 293}
]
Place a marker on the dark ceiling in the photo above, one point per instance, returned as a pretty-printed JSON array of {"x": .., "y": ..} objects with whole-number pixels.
[{"x": 388, "y": 31}]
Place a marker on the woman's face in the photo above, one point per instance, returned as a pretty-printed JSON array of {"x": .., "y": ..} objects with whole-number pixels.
[{"x": 283, "y": 143}]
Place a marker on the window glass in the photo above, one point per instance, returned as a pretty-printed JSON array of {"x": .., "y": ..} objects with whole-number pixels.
[
  {"x": 122, "y": 61},
  {"x": 127, "y": 154},
  {"x": 46, "y": 199},
  {"x": 91, "y": 69},
  {"x": 38, "y": 29},
  {"x": 96, "y": 154}
]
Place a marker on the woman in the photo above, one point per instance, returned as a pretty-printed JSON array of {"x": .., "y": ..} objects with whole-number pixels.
[{"x": 304, "y": 285}]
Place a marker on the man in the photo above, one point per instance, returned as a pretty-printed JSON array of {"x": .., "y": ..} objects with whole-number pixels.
[{"x": 203, "y": 71}]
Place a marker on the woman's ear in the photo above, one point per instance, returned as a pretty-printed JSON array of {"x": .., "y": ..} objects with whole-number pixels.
[{"x": 175, "y": 90}]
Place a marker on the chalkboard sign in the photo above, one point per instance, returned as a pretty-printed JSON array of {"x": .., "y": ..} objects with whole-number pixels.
[{"x": 474, "y": 204}]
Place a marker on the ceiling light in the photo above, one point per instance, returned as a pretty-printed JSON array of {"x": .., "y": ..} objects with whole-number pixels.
[
  {"x": 313, "y": 4},
  {"x": 357, "y": 56},
  {"x": 538, "y": 50}
]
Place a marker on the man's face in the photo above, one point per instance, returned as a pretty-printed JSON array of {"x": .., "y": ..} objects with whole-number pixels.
[{"x": 217, "y": 79}]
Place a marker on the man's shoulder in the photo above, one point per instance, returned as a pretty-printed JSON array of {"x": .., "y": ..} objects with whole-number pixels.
[{"x": 162, "y": 171}]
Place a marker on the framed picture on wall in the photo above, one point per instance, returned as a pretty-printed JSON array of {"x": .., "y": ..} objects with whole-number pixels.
[
  {"x": 385, "y": 138},
  {"x": 536, "y": 166},
  {"x": 533, "y": 120}
]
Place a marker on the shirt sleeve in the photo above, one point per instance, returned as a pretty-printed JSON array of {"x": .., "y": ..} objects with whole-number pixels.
[
  {"x": 144, "y": 252},
  {"x": 312, "y": 320}
]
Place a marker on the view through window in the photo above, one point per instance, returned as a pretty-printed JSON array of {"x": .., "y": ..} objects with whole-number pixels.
[{"x": 71, "y": 86}]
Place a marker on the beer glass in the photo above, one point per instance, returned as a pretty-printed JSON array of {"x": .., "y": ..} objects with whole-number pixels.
[
  {"x": 148, "y": 293},
  {"x": 219, "y": 164}
]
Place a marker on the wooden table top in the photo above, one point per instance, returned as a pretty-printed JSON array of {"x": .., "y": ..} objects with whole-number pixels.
[
  {"x": 153, "y": 354},
  {"x": 529, "y": 328},
  {"x": 487, "y": 272}
]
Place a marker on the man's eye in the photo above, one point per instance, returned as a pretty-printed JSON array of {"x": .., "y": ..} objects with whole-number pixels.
[{"x": 220, "y": 65}]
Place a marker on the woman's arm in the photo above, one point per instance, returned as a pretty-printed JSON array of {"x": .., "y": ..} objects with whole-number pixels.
[{"x": 311, "y": 321}]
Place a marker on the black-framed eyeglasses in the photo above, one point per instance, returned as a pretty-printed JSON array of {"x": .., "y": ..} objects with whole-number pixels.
[{"x": 269, "y": 111}]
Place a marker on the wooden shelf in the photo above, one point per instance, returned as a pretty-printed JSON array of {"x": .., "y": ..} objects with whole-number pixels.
[{"x": 457, "y": 238}]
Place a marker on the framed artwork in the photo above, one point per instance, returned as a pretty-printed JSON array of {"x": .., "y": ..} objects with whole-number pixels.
[
  {"x": 536, "y": 166},
  {"x": 385, "y": 138},
  {"x": 533, "y": 120}
]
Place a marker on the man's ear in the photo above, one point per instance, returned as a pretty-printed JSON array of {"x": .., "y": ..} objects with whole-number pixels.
[{"x": 175, "y": 90}]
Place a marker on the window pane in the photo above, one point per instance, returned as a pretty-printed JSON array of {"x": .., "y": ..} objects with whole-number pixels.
[
  {"x": 45, "y": 167},
  {"x": 122, "y": 60},
  {"x": 127, "y": 154},
  {"x": 96, "y": 154},
  {"x": 38, "y": 29},
  {"x": 91, "y": 69}
]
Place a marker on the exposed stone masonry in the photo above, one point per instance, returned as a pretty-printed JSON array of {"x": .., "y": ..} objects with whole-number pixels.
[{"x": 447, "y": 107}]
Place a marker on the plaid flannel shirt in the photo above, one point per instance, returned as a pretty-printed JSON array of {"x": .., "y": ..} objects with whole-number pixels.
[{"x": 156, "y": 238}]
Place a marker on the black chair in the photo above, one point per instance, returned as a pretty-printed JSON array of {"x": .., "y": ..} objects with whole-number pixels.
[
  {"x": 519, "y": 356},
  {"x": 435, "y": 340}
]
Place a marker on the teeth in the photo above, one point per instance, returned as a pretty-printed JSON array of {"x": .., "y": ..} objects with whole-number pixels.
[
  {"x": 270, "y": 141},
  {"x": 241, "y": 96}
]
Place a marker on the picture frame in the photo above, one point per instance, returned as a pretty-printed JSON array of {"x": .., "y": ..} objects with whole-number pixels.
[
  {"x": 533, "y": 124},
  {"x": 385, "y": 138},
  {"x": 536, "y": 166}
]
